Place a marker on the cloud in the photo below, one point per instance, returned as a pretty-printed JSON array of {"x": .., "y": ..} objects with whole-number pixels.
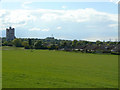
[
  {"x": 2, "y": 28},
  {"x": 115, "y": 1},
  {"x": 25, "y": 5},
  {"x": 102, "y": 38},
  {"x": 49, "y": 15},
  {"x": 113, "y": 25},
  {"x": 89, "y": 20},
  {"x": 59, "y": 28},
  {"x": 16, "y": 18},
  {"x": 91, "y": 26},
  {"x": 38, "y": 29},
  {"x": 79, "y": 15},
  {"x": 57, "y": 0},
  {"x": 64, "y": 7}
]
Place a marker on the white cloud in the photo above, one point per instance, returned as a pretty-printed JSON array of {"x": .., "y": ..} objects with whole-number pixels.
[
  {"x": 2, "y": 28},
  {"x": 25, "y": 4},
  {"x": 79, "y": 15},
  {"x": 38, "y": 29},
  {"x": 91, "y": 26},
  {"x": 113, "y": 25},
  {"x": 63, "y": 38},
  {"x": 57, "y": 0},
  {"x": 20, "y": 18},
  {"x": 17, "y": 18},
  {"x": 49, "y": 17},
  {"x": 102, "y": 38},
  {"x": 59, "y": 28},
  {"x": 64, "y": 7},
  {"x": 114, "y": 1}
]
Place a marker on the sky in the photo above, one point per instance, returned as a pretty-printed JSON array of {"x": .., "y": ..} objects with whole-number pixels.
[{"x": 65, "y": 20}]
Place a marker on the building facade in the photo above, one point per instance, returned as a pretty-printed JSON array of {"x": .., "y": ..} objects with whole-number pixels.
[{"x": 10, "y": 34}]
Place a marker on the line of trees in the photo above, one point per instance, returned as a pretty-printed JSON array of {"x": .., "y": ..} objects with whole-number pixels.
[{"x": 55, "y": 44}]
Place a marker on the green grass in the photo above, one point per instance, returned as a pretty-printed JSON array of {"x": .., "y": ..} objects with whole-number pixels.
[
  {"x": 0, "y": 68},
  {"x": 58, "y": 69}
]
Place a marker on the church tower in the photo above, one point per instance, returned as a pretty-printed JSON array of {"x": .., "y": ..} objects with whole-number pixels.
[{"x": 10, "y": 34}]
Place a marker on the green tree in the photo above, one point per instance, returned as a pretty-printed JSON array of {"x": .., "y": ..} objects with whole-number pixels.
[
  {"x": 79, "y": 43},
  {"x": 63, "y": 44},
  {"x": 52, "y": 47},
  {"x": 5, "y": 43},
  {"x": 25, "y": 44},
  {"x": 38, "y": 45},
  {"x": 74, "y": 43},
  {"x": 98, "y": 42},
  {"x": 30, "y": 42},
  {"x": 17, "y": 42}
]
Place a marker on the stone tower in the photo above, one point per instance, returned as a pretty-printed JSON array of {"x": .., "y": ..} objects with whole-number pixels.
[{"x": 10, "y": 34}]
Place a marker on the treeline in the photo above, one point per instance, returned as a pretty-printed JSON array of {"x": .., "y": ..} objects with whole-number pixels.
[{"x": 68, "y": 45}]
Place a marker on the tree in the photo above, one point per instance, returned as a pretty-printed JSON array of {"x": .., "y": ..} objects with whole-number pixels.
[
  {"x": 25, "y": 44},
  {"x": 38, "y": 45},
  {"x": 63, "y": 44},
  {"x": 5, "y": 43},
  {"x": 79, "y": 43},
  {"x": 98, "y": 42},
  {"x": 85, "y": 42},
  {"x": 89, "y": 43},
  {"x": 74, "y": 43},
  {"x": 17, "y": 42},
  {"x": 30, "y": 42},
  {"x": 52, "y": 47}
]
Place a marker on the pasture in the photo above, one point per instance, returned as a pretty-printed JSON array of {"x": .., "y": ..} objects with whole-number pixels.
[{"x": 57, "y": 69}]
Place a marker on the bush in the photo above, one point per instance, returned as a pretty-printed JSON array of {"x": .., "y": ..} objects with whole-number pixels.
[
  {"x": 115, "y": 53},
  {"x": 7, "y": 43}
]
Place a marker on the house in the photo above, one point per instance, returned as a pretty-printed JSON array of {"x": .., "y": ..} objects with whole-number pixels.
[
  {"x": 91, "y": 48},
  {"x": 116, "y": 49}
]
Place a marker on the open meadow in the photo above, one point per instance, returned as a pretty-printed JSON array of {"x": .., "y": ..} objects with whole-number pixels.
[{"x": 57, "y": 69}]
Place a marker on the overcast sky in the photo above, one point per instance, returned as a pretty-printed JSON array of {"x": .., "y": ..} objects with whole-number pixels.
[{"x": 65, "y": 20}]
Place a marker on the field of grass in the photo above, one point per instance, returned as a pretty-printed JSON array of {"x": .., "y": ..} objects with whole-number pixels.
[
  {"x": 58, "y": 69},
  {"x": 0, "y": 68}
]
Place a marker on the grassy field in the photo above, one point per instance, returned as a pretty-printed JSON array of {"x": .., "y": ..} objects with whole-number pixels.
[
  {"x": 58, "y": 69},
  {"x": 0, "y": 68}
]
